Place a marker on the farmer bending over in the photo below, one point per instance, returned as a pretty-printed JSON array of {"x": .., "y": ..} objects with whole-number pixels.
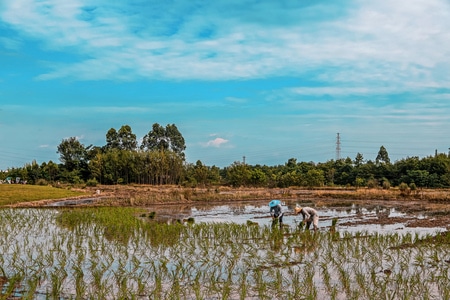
[
  {"x": 310, "y": 215},
  {"x": 275, "y": 211}
]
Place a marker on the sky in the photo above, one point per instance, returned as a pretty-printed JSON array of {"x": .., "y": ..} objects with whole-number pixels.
[{"x": 243, "y": 80}]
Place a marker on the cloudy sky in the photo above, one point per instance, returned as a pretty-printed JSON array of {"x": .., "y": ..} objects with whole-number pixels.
[{"x": 265, "y": 80}]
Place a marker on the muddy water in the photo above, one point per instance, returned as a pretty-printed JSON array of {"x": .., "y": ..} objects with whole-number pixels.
[{"x": 381, "y": 218}]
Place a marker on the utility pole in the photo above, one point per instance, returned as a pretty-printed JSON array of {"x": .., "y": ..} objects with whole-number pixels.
[{"x": 338, "y": 147}]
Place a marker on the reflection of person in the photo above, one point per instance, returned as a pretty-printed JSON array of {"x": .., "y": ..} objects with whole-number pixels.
[
  {"x": 310, "y": 215},
  {"x": 276, "y": 211}
]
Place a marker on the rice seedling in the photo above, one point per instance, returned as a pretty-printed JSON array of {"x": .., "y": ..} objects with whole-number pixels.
[{"x": 113, "y": 253}]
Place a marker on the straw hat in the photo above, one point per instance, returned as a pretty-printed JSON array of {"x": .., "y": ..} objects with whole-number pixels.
[{"x": 297, "y": 210}]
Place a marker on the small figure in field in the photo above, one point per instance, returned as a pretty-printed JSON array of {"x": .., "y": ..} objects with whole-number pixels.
[
  {"x": 310, "y": 215},
  {"x": 276, "y": 211}
]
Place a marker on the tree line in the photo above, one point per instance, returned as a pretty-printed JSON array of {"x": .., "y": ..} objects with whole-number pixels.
[{"x": 159, "y": 159}]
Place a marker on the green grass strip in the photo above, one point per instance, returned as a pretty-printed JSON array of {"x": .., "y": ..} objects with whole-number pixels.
[{"x": 16, "y": 193}]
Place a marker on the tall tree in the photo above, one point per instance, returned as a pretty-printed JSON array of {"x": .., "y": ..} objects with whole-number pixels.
[
  {"x": 72, "y": 153},
  {"x": 359, "y": 159},
  {"x": 383, "y": 156},
  {"x": 162, "y": 139},
  {"x": 126, "y": 138},
  {"x": 112, "y": 139}
]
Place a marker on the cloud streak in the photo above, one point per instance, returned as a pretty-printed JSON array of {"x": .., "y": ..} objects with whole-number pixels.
[{"x": 382, "y": 42}]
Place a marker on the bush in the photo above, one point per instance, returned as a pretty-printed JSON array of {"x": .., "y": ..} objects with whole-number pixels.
[
  {"x": 404, "y": 189},
  {"x": 41, "y": 182},
  {"x": 372, "y": 183},
  {"x": 91, "y": 182},
  {"x": 386, "y": 184}
]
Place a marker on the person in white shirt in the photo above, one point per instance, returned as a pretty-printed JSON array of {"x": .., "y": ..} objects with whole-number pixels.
[{"x": 310, "y": 215}]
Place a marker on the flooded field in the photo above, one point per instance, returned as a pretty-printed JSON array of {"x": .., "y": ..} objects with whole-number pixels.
[
  {"x": 229, "y": 251},
  {"x": 352, "y": 216}
]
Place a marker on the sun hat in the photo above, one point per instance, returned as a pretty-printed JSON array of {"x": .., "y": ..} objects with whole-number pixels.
[
  {"x": 297, "y": 210},
  {"x": 274, "y": 203}
]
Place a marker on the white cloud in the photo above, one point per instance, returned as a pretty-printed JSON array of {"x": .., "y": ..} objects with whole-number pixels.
[{"x": 217, "y": 142}]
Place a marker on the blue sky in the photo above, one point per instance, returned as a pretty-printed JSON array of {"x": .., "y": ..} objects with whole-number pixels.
[{"x": 268, "y": 80}]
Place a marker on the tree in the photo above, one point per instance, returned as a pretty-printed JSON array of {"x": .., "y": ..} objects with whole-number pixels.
[
  {"x": 419, "y": 177},
  {"x": 258, "y": 177},
  {"x": 383, "y": 156},
  {"x": 163, "y": 139},
  {"x": 359, "y": 159},
  {"x": 72, "y": 154},
  {"x": 238, "y": 174},
  {"x": 314, "y": 178},
  {"x": 176, "y": 140},
  {"x": 112, "y": 139},
  {"x": 126, "y": 138},
  {"x": 49, "y": 170},
  {"x": 200, "y": 173}
]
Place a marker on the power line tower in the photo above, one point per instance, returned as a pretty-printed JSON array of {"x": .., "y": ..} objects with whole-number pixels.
[{"x": 338, "y": 147}]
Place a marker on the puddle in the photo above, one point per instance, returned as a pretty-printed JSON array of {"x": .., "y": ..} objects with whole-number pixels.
[{"x": 74, "y": 202}]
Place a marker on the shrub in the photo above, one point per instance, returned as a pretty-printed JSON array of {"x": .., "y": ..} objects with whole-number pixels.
[
  {"x": 91, "y": 182},
  {"x": 41, "y": 182},
  {"x": 372, "y": 183},
  {"x": 404, "y": 189}
]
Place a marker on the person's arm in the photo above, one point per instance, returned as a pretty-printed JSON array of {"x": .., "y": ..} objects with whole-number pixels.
[{"x": 306, "y": 215}]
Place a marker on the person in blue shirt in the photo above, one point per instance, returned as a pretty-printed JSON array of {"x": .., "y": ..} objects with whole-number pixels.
[{"x": 276, "y": 211}]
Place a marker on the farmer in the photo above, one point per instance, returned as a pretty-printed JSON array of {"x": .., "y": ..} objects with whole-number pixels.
[
  {"x": 310, "y": 215},
  {"x": 276, "y": 211}
]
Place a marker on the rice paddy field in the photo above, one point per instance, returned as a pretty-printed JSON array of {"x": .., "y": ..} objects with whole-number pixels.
[{"x": 127, "y": 253}]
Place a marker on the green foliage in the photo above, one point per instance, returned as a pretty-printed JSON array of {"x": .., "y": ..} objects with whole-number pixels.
[
  {"x": 72, "y": 154},
  {"x": 383, "y": 156},
  {"x": 163, "y": 139},
  {"x": 160, "y": 159},
  {"x": 238, "y": 174}
]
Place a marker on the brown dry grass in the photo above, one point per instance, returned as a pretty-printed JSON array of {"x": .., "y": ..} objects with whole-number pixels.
[{"x": 142, "y": 195}]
